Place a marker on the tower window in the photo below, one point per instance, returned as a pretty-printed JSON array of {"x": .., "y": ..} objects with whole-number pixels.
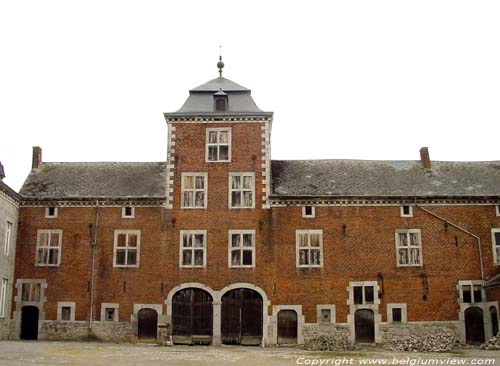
[{"x": 220, "y": 104}]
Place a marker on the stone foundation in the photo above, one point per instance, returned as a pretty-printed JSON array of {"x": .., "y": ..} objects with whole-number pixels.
[
  {"x": 389, "y": 331},
  {"x": 6, "y": 329},
  {"x": 79, "y": 330},
  {"x": 338, "y": 331}
]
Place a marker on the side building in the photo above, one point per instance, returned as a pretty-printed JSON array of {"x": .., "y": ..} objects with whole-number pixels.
[
  {"x": 9, "y": 209},
  {"x": 220, "y": 244}
]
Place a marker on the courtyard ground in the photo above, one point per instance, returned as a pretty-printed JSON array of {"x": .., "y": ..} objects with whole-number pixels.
[{"x": 17, "y": 353}]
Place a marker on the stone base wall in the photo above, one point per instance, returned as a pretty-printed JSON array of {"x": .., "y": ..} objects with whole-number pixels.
[
  {"x": 6, "y": 329},
  {"x": 338, "y": 331},
  {"x": 79, "y": 330},
  {"x": 389, "y": 331}
]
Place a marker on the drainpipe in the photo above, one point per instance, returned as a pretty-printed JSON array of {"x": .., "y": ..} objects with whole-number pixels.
[
  {"x": 92, "y": 273},
  {"x": 462, "y": 230}
]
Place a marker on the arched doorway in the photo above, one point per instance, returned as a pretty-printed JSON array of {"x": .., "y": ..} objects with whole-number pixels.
[
  {"x": 147, "y": 324},
  {"x": 287, "y": 327},
  {"x": 29, "y": 322},
  {"x": 241, "y": 317},
  {"x": 192, "y": 316},
  {"x": 364, "y": 326},
  {"x": 474, "y": 326},
  {"x": 494, "y": 320}
]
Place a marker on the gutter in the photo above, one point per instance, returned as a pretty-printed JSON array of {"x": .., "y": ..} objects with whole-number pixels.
[
  {"x": 92, "y": 272},
  {"x": 462, "y": 230}
]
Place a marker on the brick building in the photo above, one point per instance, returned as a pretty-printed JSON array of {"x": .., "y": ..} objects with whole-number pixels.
[{"x": 221, "y": 244}]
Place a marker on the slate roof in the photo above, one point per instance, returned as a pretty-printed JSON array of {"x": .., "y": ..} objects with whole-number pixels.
[
  {"x": 201, "y": 100},
  {"x": 384, "y": 178},
  {"x": 9, "y": 191},
  {"x": 93, "y": 180}
]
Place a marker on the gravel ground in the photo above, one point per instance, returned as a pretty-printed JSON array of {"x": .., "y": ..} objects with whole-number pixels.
[{"x": 17, "y": 353}]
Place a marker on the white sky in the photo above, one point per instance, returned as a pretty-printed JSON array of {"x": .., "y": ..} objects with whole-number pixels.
[{"x": 90, "y": 80}]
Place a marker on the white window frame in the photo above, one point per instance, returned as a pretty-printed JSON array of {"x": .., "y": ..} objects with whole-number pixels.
[
  {"x": 109, "y": 305},
  {"x": 181, "y": 248},
  {"x": 126, "y": 247},
  {"x": 66, "y": 304},
  {"x": 313, "y": 212},
  {"x": 231, "y": 190},
  {"x": 471, "y": 283},
  {"x": 494, "y": 246},
  {"x": 419, "y": 247},
  {"x": 308, "y": 248},
  {"x": 4, "y": 286},
  {"x": 194, "y": 190},
  {"x": 124, "y": 212},
  {"x": 401, "y": 211},
  {"x": 207, "y": 144},
  {"x": 48, "y": 247},
  {"x": 47, "y": 213},
  {"x": 497, "y": 210},
  {"x": 319, "y": 308},
  {"x": 364, "y": 284},
  {"x": 240, "y": 248},
  {"x": 402, "y": 306},
  {"x": 8, "y": 237}
]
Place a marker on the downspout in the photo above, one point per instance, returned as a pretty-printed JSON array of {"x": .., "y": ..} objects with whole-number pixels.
[
  {"x": 462, "y": 230},
  {"x": 92, "y": 272}
]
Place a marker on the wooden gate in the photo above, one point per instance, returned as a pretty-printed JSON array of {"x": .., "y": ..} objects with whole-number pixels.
[
  {"x": 287, "y": 327},
  {"x": 474, "y": 327},
  {"x": 364, "y": 326},
  {"x": 147, "y": 324},
  {"x": 242, "y": 317},
  {"x": 29, "y": 322},
  {"x": 494, "y": 320},
  {"x": 192, "y": 316}
]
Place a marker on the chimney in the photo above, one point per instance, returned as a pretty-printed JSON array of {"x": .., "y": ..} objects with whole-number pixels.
[
  {"x": 2, "y": 172},
  {"x": 37, "y": 157},
  {"x": 424, "y": 158}
]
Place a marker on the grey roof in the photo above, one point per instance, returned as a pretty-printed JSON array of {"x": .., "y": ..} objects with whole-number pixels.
[
  {"x": 384, "y": 178},
  {"x": 201, "y": 100},
  {"x": 9, "y": 191},
  {"x": 84, "y": 180}
]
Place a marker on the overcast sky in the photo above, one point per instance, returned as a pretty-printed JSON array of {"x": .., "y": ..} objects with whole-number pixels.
[{"x": 90, "y": 80}]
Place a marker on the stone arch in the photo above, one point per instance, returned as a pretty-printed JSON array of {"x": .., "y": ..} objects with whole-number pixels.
[{"x": 183, "y": 286}]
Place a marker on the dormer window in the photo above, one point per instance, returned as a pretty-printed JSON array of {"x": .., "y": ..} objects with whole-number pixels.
[{"x": 220, "y": 100}]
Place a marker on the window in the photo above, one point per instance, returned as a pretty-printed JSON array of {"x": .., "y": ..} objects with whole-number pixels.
[
  {"x": 408, "y": 248},
  {"x": 220, "y": 104},
  {"x": 241, "y": 248},
  {"x": 325, "y": 314},
  {"x": 308, "y": 211},
  {"x": 48, "y": 248},
  {"x": 193, "y": 248},
  {"x": 396, "y": 313},
  {"x": 127, "y": 248},
  {"x": 363, "y": 295},
  {"x": 8, "y": 238},
  {"x": 497, "y": 207},
  {"x": 218, "y": 145},
  {"x": 194, "y": 190},
  {"x": 471, "y": 291},
  {"x": 66, "y": 311},
  {"x": 406, "y": 211},
  {"x": 241, "y": 190},
  {"x": 110, "y": 312},
  {"x": 495, "y": 239},
  {"x": 51, "y": 212},
  {"x": 309, "y": 248},
  {"x": 3, "y": 297},
  {"x": 128, "y": 212},
  {"x": 30, "y": 292}
]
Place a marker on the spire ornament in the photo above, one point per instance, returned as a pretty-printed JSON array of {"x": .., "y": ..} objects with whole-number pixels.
[{"x": 220, "y": 64}]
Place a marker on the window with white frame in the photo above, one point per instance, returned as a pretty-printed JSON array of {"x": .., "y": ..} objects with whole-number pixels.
[
  {"x": 30, "y": 292},
  {"x": 128, "y": 212},
  {"x": 127, "y": 248},
  {"x": 194, "y": 190},
  {"x": 51, "y": 212},
  {"x": 66, "y": 311},
  {"x": 309, "y": 248},
  {"x": 396, "y": 313},
  {"x": 241, "y": 190},
  {"x": 406, "y": 211},
  {"x": 110, "y": 312},
  {"x": 308, "y": 211},
  {"x": 241, "y": 248},
  {"x": 49, "y": 247},
  {"x": 3, "y": 297},
  {"x": 8, "y": 238},
  {"x": 471, "y": 291},
  {"x": 193, "y": 248},
  {"x": 363, "y": 294},
  {"x": 495, "y": 240},
  {"x": 218, "y": 145},
  {"x": 497, "y": 208},
  {"x": 408, "y": 248}
]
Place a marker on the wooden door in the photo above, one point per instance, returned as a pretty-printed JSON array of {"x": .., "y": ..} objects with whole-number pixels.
[
  {"x": 192, "y": 316},
  {"x": 29, "y": 322},
  {"x": 364, "y": 326},
  {"x": 287, "y": 327},
  {"x": 147, "y": 324},
  {"x": 474, "y": 326}
]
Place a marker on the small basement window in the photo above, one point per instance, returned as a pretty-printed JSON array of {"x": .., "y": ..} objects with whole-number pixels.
[
  {"x": 51, "y": 212},
  {"x": 128, "y": 212},
  {"x": 326, "y": 316},
  {"x": 406, "y": 211},
  {"x": 396, "y": 313},
  {"x": 308, "y": 211},
  {"x": 109, "y": 314}
]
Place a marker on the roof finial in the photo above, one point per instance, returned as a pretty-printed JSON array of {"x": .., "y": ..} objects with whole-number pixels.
[{"x": 220, "y": 64}]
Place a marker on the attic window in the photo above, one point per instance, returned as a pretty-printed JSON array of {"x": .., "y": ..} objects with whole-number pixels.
[
  {"x": 128, "y": 212},
  {"x": 406, "y": 211},
  {"x": 51, "y": 212},
  {"x": 220, "y": 104}
]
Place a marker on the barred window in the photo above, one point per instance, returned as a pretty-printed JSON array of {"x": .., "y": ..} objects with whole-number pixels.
[
  {"x": 241, "y": 190},
  {"x": 127, "y": 248},
  {"x": 309, "y": 248},
  {"x": 194, "y": 190},
  {"x": 218, "y": 145},
  {"x": 48, "y": 247},
  {"x": 241, "y": 248},
  {"x": 408, "y": 248},
  {"x": 193, "y": 248}
]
